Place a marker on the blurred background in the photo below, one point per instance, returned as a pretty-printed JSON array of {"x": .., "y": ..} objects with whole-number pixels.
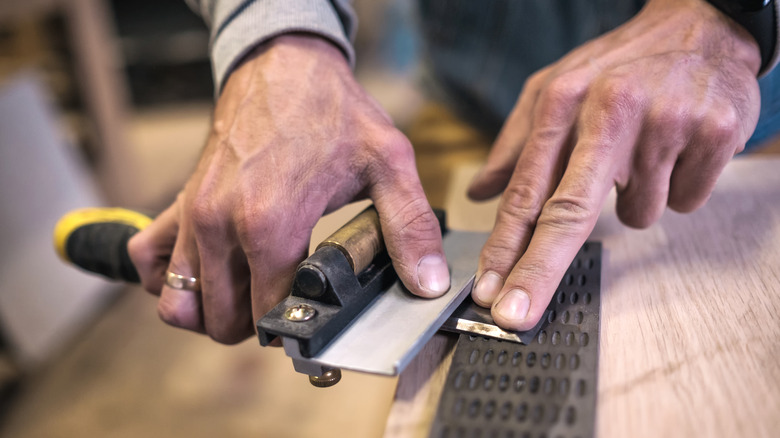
[{"x": 108, "y": 102}]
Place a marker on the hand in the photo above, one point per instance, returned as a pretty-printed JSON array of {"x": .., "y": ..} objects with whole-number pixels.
[
  {"x": 294, "y": 137},
  {"x": 655, "y": 108}
]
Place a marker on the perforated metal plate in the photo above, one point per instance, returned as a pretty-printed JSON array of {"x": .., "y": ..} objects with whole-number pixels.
[{"x": 546, "y": 389}]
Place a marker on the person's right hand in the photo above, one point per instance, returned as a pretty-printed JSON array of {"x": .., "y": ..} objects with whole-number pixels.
[{"x": 294, "y": 137}]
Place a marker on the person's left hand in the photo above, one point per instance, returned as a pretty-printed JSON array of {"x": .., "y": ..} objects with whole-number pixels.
[{"x": 656, "y": 108}]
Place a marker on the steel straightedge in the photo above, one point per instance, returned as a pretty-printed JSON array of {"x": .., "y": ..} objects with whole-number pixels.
[{"x": 391, "y": 331}]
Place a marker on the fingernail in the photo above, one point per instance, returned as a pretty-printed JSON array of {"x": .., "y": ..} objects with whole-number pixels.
[
  {"x": 514, "y": 305},
  {"x": 488, "y": 286},
  {"x": 433, "y": 274}
]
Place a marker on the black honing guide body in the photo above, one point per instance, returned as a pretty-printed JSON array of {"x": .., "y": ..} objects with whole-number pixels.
[{"x": 546, "y": 388}]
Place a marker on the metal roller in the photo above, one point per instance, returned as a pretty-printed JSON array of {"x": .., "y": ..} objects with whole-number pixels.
[{"x": 360, "y": 239}]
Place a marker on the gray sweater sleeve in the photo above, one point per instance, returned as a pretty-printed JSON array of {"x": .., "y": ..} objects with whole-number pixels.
[
  {"x": 237, "y": 26},
  {"x": 776, "y": 55}
]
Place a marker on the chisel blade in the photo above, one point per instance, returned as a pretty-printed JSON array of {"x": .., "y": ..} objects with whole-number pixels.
[{"x": 471, "y": 319}]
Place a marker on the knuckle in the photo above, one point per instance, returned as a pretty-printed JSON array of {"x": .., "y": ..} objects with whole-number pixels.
[
  {"x": 412, "y": 229},
  {"x": 530, "y": 276},
  {"x": 536, "y": 80},
  {"x": 205, "y": 213},
  {"x": 671, "y": 119},
  {"x": 665, "y": 136},
  {"x": 620, "y": 91},
  {"x": 557, "y": 99},
  {"x": 562, "y": 91},
  {"x": 522, "y": 203},
  {"x": 389, "y": 155},
  {"x": 617, "y": 98},
  {"x": 568, "y": 212},
  {"x": 721, "y": 127},
  {"x": 414, "y": 219},
  {"x": 252, "y": 224},
  {"x": 610, "y": 105},
  {"x": 500, "y": 253},
  {"x": 393, "y": 147},
  {"x": 274, "y": 227}
]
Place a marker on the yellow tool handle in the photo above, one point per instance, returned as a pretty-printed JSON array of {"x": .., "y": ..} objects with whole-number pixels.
[{"x": 95, "y": 239}]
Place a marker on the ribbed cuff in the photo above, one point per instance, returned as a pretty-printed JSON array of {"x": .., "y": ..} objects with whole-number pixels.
[
  {"x": 773, "y": 61},
  {"x": 256, "y": 21}
]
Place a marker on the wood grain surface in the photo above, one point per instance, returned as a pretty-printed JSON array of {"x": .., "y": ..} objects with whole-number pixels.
[{"x": 690, "y": 331}]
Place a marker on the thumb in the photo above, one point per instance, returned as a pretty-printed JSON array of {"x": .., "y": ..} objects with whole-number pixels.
[{"x": 411, "y": 233}]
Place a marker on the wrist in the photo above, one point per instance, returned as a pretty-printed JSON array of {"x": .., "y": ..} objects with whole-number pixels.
[
  {"x": 280, "y": 70},
  {"x": 758, "y": 18},
  {"x": 287, "y": 58},
  {"x": 718, "y": 35},
  {"x": 289, "y": 46}
]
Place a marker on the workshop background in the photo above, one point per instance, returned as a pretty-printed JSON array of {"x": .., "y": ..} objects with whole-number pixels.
[{"x": 108, "y": 103}]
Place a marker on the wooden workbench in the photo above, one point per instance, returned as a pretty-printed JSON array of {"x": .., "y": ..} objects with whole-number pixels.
[{"x": 690, "y": 317}]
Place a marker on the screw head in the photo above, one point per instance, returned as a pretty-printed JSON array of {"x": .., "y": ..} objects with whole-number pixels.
[{"x": 300, "y": 313}]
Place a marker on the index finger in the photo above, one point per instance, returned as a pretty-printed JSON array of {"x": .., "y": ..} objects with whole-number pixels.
[{"x": 564, "y": 224}]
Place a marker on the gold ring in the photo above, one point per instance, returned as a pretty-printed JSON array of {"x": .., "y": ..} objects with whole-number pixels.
[{"x": 182, "y": 282}]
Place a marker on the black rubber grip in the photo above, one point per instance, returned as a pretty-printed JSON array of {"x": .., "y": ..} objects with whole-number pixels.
[{"x": 102, "y": 248}]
